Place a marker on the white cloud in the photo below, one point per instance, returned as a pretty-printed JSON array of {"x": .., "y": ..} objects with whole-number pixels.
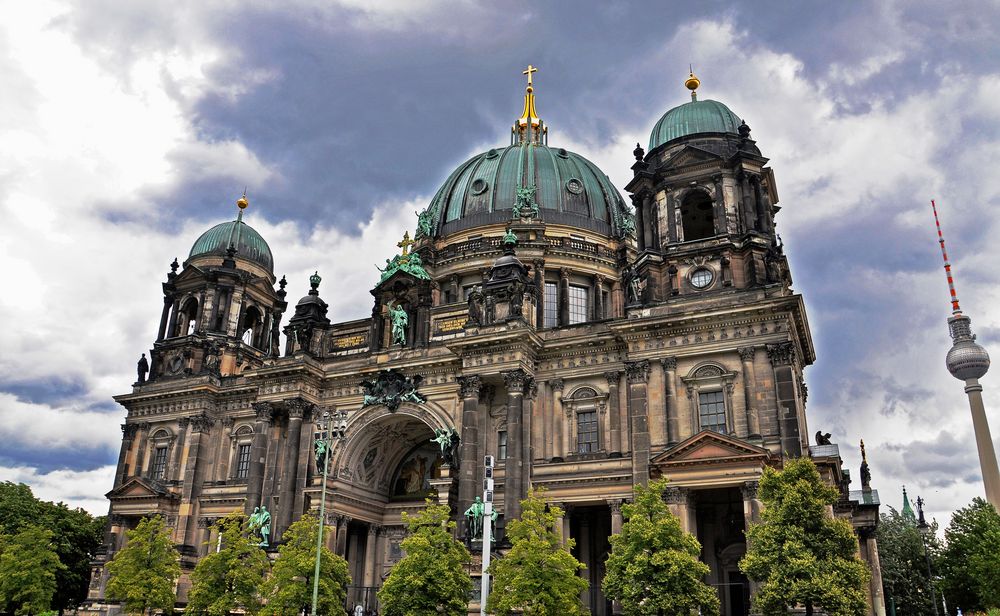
[
  {"x": 84, "y": 489},
  {"x": 44, "y": 427}
]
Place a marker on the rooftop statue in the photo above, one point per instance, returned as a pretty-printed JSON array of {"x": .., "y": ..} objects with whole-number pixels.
[
  {"x": 142, "y": 367},
  {"x": 409, "y": 262}
]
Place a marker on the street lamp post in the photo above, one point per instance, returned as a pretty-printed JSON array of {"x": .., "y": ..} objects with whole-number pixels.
[
  {"x": 331, "y": 427},
  {"x": 924, "y": 528}
]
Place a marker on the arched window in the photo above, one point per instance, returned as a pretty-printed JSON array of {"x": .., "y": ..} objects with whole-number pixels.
[
  {"x": 241, "y": 452},
  {"x": 697, "y": 218},
  {"x": 187, "y": 318},
  {"x": 250, "y": 331},
  {"x": 710, "y": 389}
]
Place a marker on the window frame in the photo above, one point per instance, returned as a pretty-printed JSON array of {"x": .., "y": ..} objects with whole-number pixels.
[{"x": 574, "y": 303}]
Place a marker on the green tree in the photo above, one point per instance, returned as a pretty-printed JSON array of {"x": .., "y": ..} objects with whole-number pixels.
[
  {"x": 232, "y": 578},
  {"x": 653, "y": 567},
  {"x": 28, "y": 569},
  {"x": 799, "y": 554},
  {"x": 143, "y": 573},
  {"x": 971, "y": 558},
  {"x": 289, "y": 589},
  {"x": 76, "y": 537},
  {"x": 432, "y": 577},
  {"x": 904, "y": 565},
  {"x": 538, "y": 577}
]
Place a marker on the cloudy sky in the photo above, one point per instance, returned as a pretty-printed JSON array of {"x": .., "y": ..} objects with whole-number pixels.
[{"x": 128, "y": 128}]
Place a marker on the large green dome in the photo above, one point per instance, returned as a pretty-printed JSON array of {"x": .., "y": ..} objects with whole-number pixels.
[
  {"x": 249, "y": 244},
  {"x": 569, "y": 189},
  {"x": 694, "y": 118}
]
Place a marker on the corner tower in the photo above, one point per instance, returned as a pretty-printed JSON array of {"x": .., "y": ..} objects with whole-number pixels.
[{"x": 221, "y": 313}]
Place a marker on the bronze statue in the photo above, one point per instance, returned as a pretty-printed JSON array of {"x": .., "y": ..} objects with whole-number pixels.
[
  {"x": 142, "y": 368},
  {"x": 260, "y": 524},
  {"x": 399, "y": 322},
  {"x": 475, "y": 514}
]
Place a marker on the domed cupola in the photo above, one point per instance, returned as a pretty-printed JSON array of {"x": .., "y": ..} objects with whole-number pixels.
[
  {"x": 244, "y": 239},
  {"x": 694, "y": 118},
  {"x": 527, "y": 179}
]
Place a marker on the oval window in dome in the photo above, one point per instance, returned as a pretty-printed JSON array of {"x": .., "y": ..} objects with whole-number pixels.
[
  {"x": 479, "y": 186},
  {"x": 562, "y": 153},
  {"x": 574, "y": 186},
  {"x": 492, "y": 153}
]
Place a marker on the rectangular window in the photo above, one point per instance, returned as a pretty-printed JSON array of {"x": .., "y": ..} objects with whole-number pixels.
[
  {"x": 243, "y": 461},
  {"x": 159, "y": 468},
  {"x": 501, "y": 445},
  {"x": 712, "y": 411},
  {"x": 578, "y": 297},
  {"x": 551, "y": 305},
  {"x": 586, "y": 431}
]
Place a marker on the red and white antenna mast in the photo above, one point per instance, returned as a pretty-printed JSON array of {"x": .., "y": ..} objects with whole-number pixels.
[{"x": 955, "y": 309}]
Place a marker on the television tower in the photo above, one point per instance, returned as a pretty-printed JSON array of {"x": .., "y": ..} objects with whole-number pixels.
[{"x": 967, "y": 361}]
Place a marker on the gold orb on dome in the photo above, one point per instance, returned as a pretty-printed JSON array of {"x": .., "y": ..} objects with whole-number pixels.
[
  {"x": 242, "y": 202},
  {"x": 692, "y": 82}
]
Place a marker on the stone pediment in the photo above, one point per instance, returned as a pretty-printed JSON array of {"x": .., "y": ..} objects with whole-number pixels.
[
  {"x": 708, "y": 447},
  {"x": 139, "y": 487},
  {"x": 690, "y": 155}
]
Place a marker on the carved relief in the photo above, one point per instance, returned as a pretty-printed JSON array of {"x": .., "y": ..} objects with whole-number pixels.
[{"x": 637, "y": 371}]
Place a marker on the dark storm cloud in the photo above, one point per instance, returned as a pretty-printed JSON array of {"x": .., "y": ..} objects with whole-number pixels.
[
  {"x": 46, "y": 459},
  {"x": 938, "y": 462}
]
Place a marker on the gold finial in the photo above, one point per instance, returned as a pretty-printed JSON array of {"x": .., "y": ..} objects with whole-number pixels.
[
  {"x": 242, "y": 202},
  {"x": 529, "y": 127},
  {"x": 692, "y": 83},
  {"x": 406, "y": 243}
]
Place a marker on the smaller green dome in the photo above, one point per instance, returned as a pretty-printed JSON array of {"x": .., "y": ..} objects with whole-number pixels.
[
  {"x": 249, "y": 244},
  {"x": 693, "y": 118}
]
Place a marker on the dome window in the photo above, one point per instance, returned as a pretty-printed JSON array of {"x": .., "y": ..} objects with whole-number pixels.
[
  {"x": 479, "y": 186},
  {"x": 574, "y": 186},
  {"x": 492, "y": 153},
  {"x": 562, "y": 153},
  {"x": 701, "y": 278}
]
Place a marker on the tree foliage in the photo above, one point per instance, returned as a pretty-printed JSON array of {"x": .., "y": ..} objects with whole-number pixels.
[
  {"x": 143, "y": 573},
  {"x": 654, "y": 567},
  {"x": 232, "y": 578},
  {"x": 799, "y": 554},
  {"x": 28, "y": 567},
  {"x": 289, "y": 589},
  {"x": 432, "y": 577},
  {"x": 970, "y": 562},
  {"x": 76, "y": 537},
  {"x": 538, "y": 577},
  {"x": 904, "y": 565}
]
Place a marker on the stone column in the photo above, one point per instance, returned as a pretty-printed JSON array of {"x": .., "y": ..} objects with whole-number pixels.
[
  {"x": 559, "y": 431},
  {"x": 469, "y": 461},
  {"x": 750, "y": 390},
  {"x": 223, "y": 449},
  {"x": 875, "y": 582},
  {"x": 539, "y": 273},
  {"x": 616, "y": 528},
  {"x": 258, "y": 451},
  {"x": 369, "y": 579},
  {"x": 174, "y": 472},
  {"x": 638, "y": 377},
  {"x": 563, "y": 296},
  {"x": 513, "y": 469},
  {"x": 669, "y": 366},
  {"x": 342, "y": 524},
  {"x": 289, "y": 466},
  {"x": 191, "y": 486},
  {"x": 614, "y": 377},
  {"x": 140, "y": 450},
  {"x": 213, "y": 536},
  {"x": 583, "y": 544},
  {"x": 205, "y": 530},
  {"x": 640, "y": 223},
  {"x": 678, "y": 501},
  {"x": 557, "y": 525},
  {"x": 782, "y": 356},
  {"x": 128, "y": 435},
  {"x": 161, "y": 331},
  {"x": 330, "y": 540},
  {"x": 530, "y": 396}
]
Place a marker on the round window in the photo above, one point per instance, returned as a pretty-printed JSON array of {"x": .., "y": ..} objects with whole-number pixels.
[
  {"x": 574, "y": 186},
  {"x": 701, "y": 278},
  {"x": 479, "y": 186}
]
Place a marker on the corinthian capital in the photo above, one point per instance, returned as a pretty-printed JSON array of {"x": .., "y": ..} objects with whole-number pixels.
[
  {"x": 781, "y": 354},
  {"x": 515, "y": 380},
  {"x": 470, "y": 386},
  {"x": 747, "y": 353},
  {"x": 263, "y": 411},
  {"x": 637, "y": 371}
]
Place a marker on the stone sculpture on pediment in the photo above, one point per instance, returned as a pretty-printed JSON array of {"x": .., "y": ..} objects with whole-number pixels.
[{"x": 391, "y": 388}]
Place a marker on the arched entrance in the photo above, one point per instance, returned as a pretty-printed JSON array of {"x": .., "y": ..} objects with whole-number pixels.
[{"x": 387, "y": 465}]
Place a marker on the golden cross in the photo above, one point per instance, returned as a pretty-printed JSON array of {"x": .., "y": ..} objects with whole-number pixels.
[
  {"x": 406, "y": 243},
  {"x": 531, "y": 69}
]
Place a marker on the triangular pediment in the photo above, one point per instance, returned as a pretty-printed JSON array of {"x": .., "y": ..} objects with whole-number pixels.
[
  {"x": 138, "y": 487},
  {"x": 691, "y": 155},
  {"x": 711, "y": 447}
]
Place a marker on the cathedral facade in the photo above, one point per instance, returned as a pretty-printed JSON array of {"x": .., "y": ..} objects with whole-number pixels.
[{"x": 588, "y": 344}]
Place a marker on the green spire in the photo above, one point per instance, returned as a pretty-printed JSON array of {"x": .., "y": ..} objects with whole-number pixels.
[{"x": 907, "y": 509}]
